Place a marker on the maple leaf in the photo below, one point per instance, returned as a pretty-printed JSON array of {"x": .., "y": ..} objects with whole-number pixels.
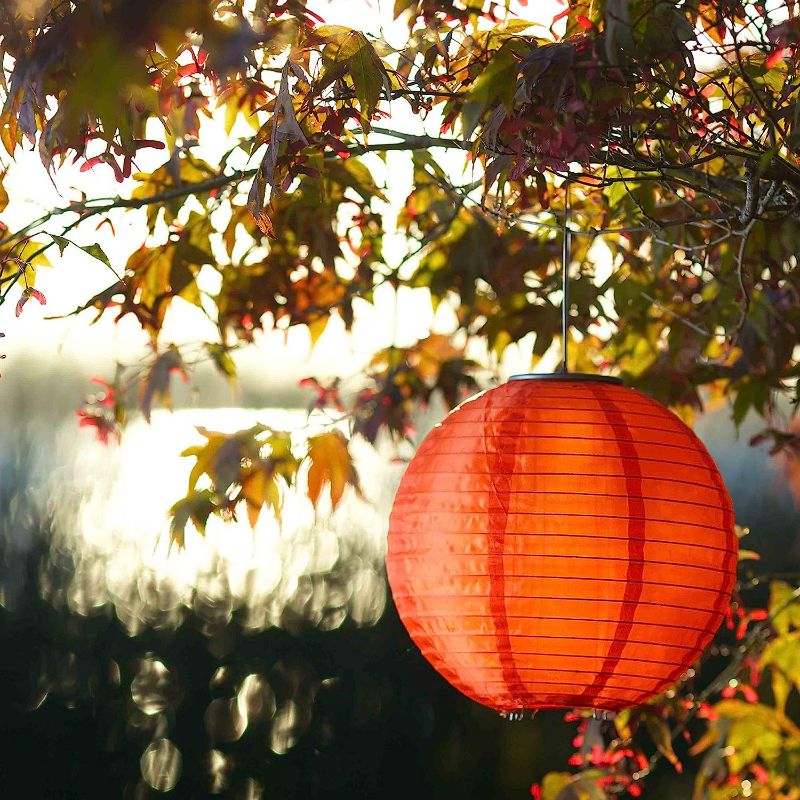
[
  {"x": 330, "y": 465},
  {"x": 105, "y": 427},
  {"x": 254, "y": 465},
  {"x": 327, "y": 395},
  {"x": 156, "y": 386},
  {"x": 221, "y": 457},
  {"x": 281, "y": 458},
  {"x": 349, "y": 52},
  {"x": 197, "y": 507},
  {"x": 259, "y": 488},
  {"x": 100, "y": 302},
  {"x": 104, "y": 411},
  {"x": 429, "y": 354}
]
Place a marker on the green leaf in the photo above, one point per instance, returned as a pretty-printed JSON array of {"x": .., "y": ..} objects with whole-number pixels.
[
  {"x": 784, "y": 607},
  {"x": 756, "y": 732},
  {"x": 368, "y": 76},
  {"x": 751, "y": 393},
  {"x": 780, "y": 689},
  {"x": 554, "y": 783},
  {"x": 749, "y": 740},
  {"x": 195, "y": 507},
  {"x": 784, "y": 654},
  {"x": 94, "y": 250},
  {"x": 618, "y": 29},
  {"x": 221, "y": 356},
  {"x": 662, "y": 738},
  {"x": 497, "y": 83},
  {"x": 61, "y": 242}
]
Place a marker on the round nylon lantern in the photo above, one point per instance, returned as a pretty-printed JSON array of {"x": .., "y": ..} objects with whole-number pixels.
[{"x": 561, "y": 541}]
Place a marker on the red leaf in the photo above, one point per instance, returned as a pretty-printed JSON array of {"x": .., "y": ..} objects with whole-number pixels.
[
  {"x": 188, "y": 69},
  {"x": 105, "y": 427},
  {"x": 560, "y": 15},
  {"x": 773, "y": 58},
  {"x": 311, "y": 18},
  {"x": 91, "y": 162},
  {"x": 585, "y": 22},
  {"x": 749, "y": 693},
  {"x": 153, "y": 143},
  {"x": 117, "y": 171},
  {"x": 339, "y": 147},
  {"x": 108, "y": 222}
]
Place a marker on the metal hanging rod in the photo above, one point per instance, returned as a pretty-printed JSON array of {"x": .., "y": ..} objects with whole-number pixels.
[
  {"x": 565, "y": 259},
  {"x": 566, "y": 255}
]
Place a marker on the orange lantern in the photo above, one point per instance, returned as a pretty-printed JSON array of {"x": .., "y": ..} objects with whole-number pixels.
[{"x": 562, "y": 543}]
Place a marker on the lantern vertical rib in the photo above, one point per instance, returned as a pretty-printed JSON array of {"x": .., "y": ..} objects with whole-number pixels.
[{"x": 565, "y": 258}]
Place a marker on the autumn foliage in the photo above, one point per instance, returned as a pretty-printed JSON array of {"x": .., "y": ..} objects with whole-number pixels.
[{"x": 663, "y": 134}]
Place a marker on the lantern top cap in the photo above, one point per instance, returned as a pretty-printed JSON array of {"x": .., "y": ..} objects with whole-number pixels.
[{"x": 565, "y": 376}]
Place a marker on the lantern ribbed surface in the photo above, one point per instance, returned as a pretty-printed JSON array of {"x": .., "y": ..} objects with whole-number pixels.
[{"x": 561, "y": 543}]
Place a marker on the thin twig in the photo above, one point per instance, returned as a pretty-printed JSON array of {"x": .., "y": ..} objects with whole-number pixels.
[{"x": 677, "y": 316}]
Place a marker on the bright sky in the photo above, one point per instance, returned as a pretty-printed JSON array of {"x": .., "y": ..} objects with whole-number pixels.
[
  {"x": 118, "y": 530},
  {"x": 76, "y": 277}
]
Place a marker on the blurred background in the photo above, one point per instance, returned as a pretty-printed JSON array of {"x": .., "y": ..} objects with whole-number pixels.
[{"x": 250, "y": 664}]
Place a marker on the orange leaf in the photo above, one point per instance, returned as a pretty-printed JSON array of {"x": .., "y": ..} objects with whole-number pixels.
[
  {"x": 331, "y": 464},
  {"x": 259, "y": 489}
]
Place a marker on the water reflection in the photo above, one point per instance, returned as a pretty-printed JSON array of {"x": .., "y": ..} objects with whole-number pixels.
[
  {"x": 193, "y": 661},
  {"x": 110, "y": 547},
  {"x": 161, "y": 765},
  {"x": 152, "y": 689}
]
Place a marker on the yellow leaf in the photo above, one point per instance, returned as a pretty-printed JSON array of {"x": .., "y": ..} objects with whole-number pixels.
[
  {"x": 784, "y": 607},
  {"x": 232, "y": 109},
  {"x": 780, "y": 689},
  {"x": 749, "y": 555},
  {"x": 260, "y": 488},
  {"x": 711, "y": 736},
  {"x": 205, "y": 458},
  {"x": 191, "y": 294},
  {"x": 281, "y": 458},
  {"x": 554, "y": 783},
  {"x": 317, "y": 327},
  {"x": 783, "y": 654},
  {"x": 622, "y": 723},
  {"x": 3, "y": 194}
]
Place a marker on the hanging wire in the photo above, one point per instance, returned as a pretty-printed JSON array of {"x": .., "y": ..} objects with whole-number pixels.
[{"x": 565, "y": 258}]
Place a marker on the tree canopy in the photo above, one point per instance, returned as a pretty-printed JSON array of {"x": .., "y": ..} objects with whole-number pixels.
[{"x": 663, "y": 134}]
